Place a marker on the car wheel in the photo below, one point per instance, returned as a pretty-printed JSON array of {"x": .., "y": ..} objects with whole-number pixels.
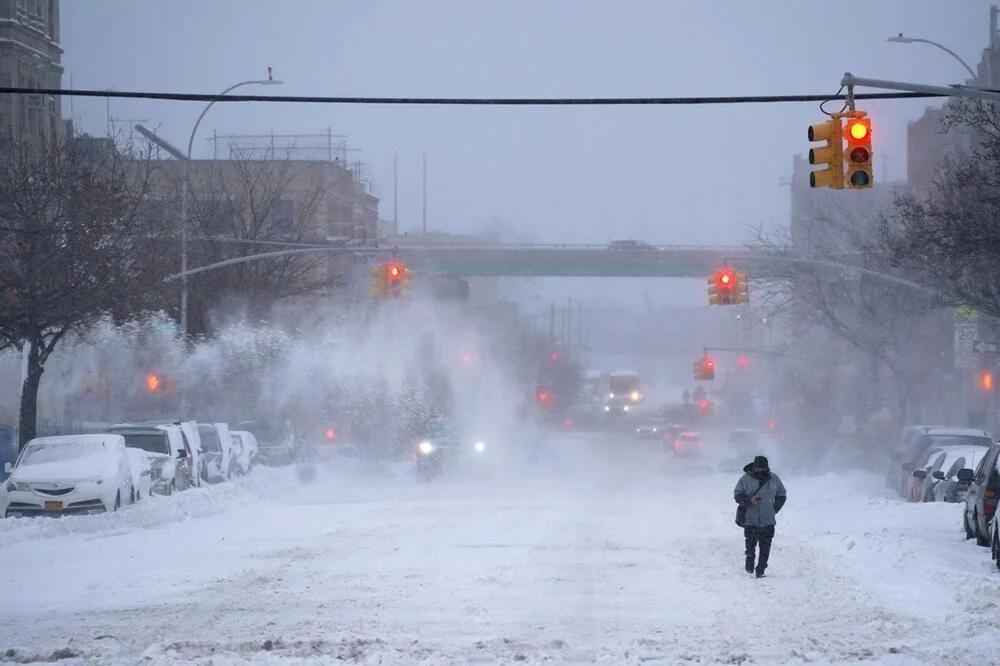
[
  {"x": 965, "y": 523},
  {"x": 980, "y": 539}
]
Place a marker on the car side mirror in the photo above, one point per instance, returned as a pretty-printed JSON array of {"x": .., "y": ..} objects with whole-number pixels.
[
  {"x": 919, "y": 474},
  {"x": 8, "y": 467},
  {"x": 182, "y": 454},
  {"x": 939, "y": 475},
  {"x": 966, "y": 475}
]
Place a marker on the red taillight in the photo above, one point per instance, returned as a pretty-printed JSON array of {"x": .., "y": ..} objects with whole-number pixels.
[
  {"x": 330, "y": 434},
  {"x": 677, "y": 445}
]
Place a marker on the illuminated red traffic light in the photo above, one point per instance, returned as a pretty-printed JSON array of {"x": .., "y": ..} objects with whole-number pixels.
[
  {"x": 857, "y": 129},
  {"x": 544, "y": 397},
  {"x": 554, "y": 357},
  {"x": 395, "y": 272},
  {"x": 743, "y": 362},
  {"x": 330, "y": 434},
  {"x": 986, "y": 380},
  {"x": 154, "y": 382},
  {"x": 704, "y": 405},
  {"x": 709, "y": 363}
]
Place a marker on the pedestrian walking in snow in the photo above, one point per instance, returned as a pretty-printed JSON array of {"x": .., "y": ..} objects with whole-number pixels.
[{"x": 760, "y": 495}]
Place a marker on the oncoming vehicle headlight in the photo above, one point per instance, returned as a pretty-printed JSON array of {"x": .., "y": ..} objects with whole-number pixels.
[
  {"x": 625, "y": 408},
  {"x": 611, "y": 395},
  {"x": 479, "y": 447},
  {"x": 425, "y": 448},
  {"x": 17, "y": 485},
  {"x": 607, "y": 408},
  {"x": 634, "y": 396}
]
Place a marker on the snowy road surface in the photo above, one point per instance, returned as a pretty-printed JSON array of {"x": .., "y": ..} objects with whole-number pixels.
[{"x": 614, "y": 554}]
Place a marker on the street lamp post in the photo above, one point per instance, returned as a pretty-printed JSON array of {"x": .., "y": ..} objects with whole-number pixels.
[
  {"x": 900, "y": 39},
  {"x": 185, "y": 186}
]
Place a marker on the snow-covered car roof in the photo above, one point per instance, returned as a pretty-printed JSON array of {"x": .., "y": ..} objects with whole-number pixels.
[
  {"x": 83, "y": 439},
  {"x": 969, "y": 452},
  {"x": 955, "y": 432}
]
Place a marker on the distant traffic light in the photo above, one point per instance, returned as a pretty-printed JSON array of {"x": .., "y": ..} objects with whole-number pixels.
[
  {"x": 554, "y": 357},
  {"x": 154, "y": 383},
  {"x": 743, "y": 362},
  {"x": 986, "y": 380},
  {"x": 831, "y": 155},
  {"x": 543, "y": 397},
  {"x": 704, "y": 368},
  {"x": 858, "y": 133},
  {"x": 727, "y": 287},
  {"x": 157, "y": 384},
  {"x": 390, "y": 280},
  {"x": 330, "y": 434}
]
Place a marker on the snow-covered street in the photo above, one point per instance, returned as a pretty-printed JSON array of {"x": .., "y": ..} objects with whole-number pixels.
[{"x": 613, "y": 553}]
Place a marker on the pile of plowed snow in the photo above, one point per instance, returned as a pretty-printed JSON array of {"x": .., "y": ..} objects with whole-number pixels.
[{"x": 263, "y": 483}]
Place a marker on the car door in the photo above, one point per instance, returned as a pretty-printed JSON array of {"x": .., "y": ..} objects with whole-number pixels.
[{"x": 974, "y": 503}]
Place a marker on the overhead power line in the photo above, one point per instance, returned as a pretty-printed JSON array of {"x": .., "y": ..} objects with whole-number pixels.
[{"x": 461, "y": 101}]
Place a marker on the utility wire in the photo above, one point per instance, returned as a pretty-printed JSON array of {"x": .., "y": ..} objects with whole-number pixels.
[{"x": 459, "y": 101}]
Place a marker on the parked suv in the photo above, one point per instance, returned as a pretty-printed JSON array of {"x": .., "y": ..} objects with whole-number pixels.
[
  {"x": 167, "y": 450},
  {"x": 217, "y": 460},
  {"x": 981, "y": 501}
]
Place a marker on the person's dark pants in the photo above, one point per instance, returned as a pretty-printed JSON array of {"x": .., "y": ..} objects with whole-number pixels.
[{"x": 763, "y": 536}]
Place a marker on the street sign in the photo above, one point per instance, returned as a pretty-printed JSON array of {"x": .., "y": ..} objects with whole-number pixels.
[
  {"x": 985, "y": 347},
  {"x": 966, "y": 332}
]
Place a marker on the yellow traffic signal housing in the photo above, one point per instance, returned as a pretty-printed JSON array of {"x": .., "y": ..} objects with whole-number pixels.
[
  {"x": 742, "y": 291},
  {"x": 830, "y": 155},
  {"x": 858, "y": 154}
]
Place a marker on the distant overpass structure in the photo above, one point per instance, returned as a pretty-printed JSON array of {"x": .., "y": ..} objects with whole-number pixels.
[{"x": 542, "y": 260}]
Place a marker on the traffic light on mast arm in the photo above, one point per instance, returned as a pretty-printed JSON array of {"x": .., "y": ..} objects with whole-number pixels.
[
  {"x": 704, "y": 368},
  {"x": 831, "y": 155},
  {"x": 391, "y": 279},
  {"x": 858, "y": 155},
  {"x": 727, "y": 287}
]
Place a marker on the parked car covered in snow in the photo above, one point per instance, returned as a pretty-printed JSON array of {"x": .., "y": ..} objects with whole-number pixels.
[
  {"x": 981, "y": 500},
  {"x": 918, "y": 440},
  {"x": 69, "y": 474},
  {"x": 142, "y": 475},
  {"x": 216, "y": 452},
  {"x": 244, "y": 450},
  {"x": 166, "y": 448},
  {"x": 947, "y": 484},
  {"x": 277, "y": 443}
]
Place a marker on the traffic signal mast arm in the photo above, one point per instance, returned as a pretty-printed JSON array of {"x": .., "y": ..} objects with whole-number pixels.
[{"x": 850, "y": 81}]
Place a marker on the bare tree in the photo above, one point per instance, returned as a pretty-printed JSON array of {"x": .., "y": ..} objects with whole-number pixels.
[
  {"x": 70, "y": 229},
  {"x": 832, "y": 282},
  {"x": 248, "y": 206},
  {"x": 949, "y": 236}
]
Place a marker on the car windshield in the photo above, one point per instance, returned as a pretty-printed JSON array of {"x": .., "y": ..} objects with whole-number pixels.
[
  {"x": 151, "y": 442},
  {"x": 268, "y": 431},
  {"x": 56, "y": 451},
  {"x": 210, "y": 440},
  {"x": 624, "y": 384},
  {"x": 954, "y": 440}
]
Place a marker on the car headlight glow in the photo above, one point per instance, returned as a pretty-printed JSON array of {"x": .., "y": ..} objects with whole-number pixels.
[
  {"x": 634, "y": 396},
  {"x": 425, "y": 448},
  {"x": 479, "y": 447},
  {"x": 611, "y": 395},
  {"x": 607, "y": 408},
  {"x": 625, "y": 408}
]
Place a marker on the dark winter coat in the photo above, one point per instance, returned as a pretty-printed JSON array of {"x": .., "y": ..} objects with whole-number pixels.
[{"x": 772, "y": 494}]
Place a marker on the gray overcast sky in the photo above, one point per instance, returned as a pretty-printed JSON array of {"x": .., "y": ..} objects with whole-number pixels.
[{"x": 575, "y": 174}]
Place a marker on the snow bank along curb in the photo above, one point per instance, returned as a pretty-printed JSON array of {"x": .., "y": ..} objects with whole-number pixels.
[{"x": 264, "y": 483}]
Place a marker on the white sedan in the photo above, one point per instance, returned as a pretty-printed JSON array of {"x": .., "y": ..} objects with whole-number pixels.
[{"x": 72, "y": 474}]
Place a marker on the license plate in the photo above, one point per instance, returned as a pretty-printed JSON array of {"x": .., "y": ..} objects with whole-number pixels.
[{"x": 53, "y": 506}]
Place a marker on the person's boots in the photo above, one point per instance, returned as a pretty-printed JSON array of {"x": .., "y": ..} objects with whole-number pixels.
[{"x": 749, "y": 565}]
